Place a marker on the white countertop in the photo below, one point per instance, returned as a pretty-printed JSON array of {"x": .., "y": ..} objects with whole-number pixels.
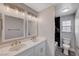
[{"x": 5, "y": 51}]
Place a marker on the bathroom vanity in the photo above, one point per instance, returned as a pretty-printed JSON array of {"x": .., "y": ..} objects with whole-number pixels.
[
  {"x": 37, "y": 49},
  {"x": 28, "y": 48},
  {"x": 18, "y": 33}
]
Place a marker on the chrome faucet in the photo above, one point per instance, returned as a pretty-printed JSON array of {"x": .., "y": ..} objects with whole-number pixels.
[
  {"x": 16, "y": 43},
  {"x": 34, "y": 38}
]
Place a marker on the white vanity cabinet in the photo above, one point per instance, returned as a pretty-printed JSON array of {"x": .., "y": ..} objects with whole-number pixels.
[
  {"x": 37, "y": 50},
  {"x": 28, "y": 52},
  {"x": 40, "y": 49}
]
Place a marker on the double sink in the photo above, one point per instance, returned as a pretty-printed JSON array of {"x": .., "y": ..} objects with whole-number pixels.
[{"x": 9, "y": 49}]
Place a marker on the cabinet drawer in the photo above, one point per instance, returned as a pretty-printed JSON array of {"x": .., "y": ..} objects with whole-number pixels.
[{"x": 28, "y": 52}]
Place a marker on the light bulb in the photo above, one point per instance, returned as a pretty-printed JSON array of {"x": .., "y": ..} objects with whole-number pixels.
[
  {"x": 7, "y": 8},
  {"x": 17, "y": 11},
  {"x": 23, "y": 13}
]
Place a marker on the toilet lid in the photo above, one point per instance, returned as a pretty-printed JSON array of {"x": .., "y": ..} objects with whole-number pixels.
[{"x": 66, "y": 45}]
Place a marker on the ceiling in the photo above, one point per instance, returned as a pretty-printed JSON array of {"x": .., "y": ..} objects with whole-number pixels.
[
  {"x": 39, "y": 6},
  {"x": 72, "y": 7},
  {"x": 59, "y": 7}
]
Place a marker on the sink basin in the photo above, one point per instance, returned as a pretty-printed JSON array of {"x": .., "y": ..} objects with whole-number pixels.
[
  {"x": 34, "y": 40},
  {"x": 16, "y": 48}
]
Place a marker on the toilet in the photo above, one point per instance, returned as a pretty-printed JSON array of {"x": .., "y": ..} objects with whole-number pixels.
[
  {"x": 56, "y": 45},
  {"x": 66, "y": 45}
]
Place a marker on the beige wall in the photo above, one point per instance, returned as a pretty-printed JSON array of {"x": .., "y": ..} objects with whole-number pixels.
[{"x": 46, "y": 28}]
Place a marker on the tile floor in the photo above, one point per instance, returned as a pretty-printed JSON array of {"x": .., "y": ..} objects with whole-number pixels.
[{"x": 58, "y": 52}]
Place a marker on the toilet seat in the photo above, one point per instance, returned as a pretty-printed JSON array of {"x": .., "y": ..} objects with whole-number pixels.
[{"x": 66, "y": 48}]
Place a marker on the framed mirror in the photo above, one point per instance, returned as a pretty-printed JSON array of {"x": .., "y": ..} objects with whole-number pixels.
[
  {"x": 32, "y": 28},
  {"x": 13, "y": 28}
]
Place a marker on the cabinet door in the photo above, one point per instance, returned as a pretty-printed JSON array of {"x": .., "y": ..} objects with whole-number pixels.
[
  {"x": 40, "y": 50},
  {"x": 28, "y": 52}
]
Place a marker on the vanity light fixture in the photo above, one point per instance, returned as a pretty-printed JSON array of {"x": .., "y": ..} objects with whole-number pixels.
[
  {"x": 15, "y": 10},
  {"x": 35, "y": 19},
  {"x": 31, "y": 17}
]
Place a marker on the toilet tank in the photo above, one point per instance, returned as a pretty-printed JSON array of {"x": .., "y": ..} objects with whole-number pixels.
[{"x": 66, "y": 41}]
